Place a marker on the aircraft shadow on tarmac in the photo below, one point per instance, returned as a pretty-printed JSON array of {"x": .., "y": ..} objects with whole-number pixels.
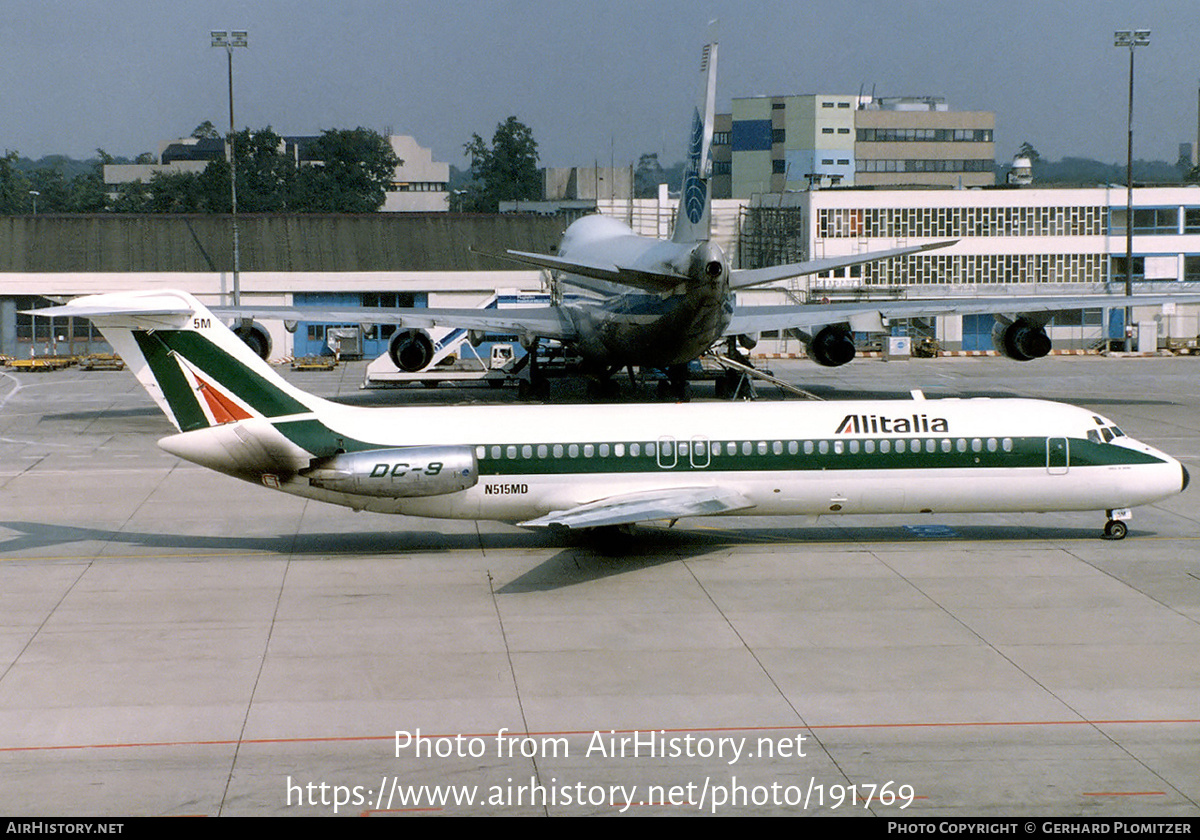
[{"x": 577, "y": 558}]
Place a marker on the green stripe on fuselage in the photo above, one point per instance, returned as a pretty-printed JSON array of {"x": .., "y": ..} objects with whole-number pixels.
[{"x": 1025, "y": 453}]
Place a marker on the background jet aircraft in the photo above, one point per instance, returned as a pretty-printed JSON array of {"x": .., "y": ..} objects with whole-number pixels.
[{"x": 655, "y": 303}]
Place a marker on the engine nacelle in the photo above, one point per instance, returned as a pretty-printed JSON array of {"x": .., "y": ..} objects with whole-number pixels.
[
  {"x": 403, "y": 472},
  {"x": 255, "y": 336},
  {"x": 411, "y": 350},
  {"x": 831, "y": 347},
  {"x": 1021, "y": 339}
]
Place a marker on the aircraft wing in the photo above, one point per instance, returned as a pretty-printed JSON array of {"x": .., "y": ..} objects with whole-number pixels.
[
  {"x": 744, "y": 278},
  {"x": 862, "y": 315},
  {"x": 628, "y": 508},
  {"x": 544, "y": 321}
]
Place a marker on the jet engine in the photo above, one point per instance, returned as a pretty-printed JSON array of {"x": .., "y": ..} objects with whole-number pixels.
[
  {"x": 831, "y": 347},
  {"x": 411, "y": 350},
  {"x": 255, "y": 337},
  {"x": 403, "y": 472},
  {"x": 1021, "y": 339}
]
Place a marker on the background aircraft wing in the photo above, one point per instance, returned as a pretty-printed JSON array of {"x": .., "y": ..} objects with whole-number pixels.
[
  {"x": 645, "y": 506},
  {"x": 748, "y": 320},
  {"x": 544, "y": 321},
  {"x": 744, "y": 278}
]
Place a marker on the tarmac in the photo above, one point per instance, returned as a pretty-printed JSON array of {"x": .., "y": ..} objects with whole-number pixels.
[{"x": 175, "y": 642}]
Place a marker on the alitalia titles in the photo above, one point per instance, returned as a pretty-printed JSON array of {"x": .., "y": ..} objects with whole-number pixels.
[{"x": 877, "y": 424}]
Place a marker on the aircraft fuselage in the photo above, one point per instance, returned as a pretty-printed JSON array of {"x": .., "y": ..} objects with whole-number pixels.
[{"x": 657, "y": 327}]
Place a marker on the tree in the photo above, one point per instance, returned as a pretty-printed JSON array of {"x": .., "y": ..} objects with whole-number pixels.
[
  {"x": 14, "y": 187},
  {"x": 1028, "y": 151},
  {"x": 507, "y": 171},
  {"x": 206, "y": 131},
  {"x": 351, "y": 172},
  {"x": 648, "y": 175}
]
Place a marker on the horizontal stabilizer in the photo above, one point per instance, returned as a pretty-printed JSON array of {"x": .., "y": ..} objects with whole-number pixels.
[
  {"x": 747, "y": 277},
  {"x": 650, "y": 281},
  {"x": 647, "y": 506}
]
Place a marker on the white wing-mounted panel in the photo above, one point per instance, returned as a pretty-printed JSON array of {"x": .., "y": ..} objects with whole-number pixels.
[{"x": 645, "y": 506}]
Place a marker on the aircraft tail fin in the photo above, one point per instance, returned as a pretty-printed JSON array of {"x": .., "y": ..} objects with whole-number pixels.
[
  {"x": 693, "y": 221},
  {"x": 198, "y": 372}
]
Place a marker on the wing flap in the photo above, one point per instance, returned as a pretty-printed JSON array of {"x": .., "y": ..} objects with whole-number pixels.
[{"x": 629, "y": 508}]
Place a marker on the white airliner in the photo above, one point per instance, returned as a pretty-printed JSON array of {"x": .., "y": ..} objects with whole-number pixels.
[
  {"x": 661, "y": 303},
  {"x": 593, "y": 466}
]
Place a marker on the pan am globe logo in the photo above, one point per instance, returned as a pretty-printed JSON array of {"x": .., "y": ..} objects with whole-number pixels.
[{"x": 694, "y": 189}]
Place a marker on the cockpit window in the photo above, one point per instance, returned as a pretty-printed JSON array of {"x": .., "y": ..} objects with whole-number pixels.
[
  {"x": 1117, "y": 432},
  {"x": 1093, "y": 436},
  {"x": 1108, "y": 435}
]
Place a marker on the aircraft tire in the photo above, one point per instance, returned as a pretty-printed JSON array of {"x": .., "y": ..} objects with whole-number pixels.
[{"x": 1115, "y": 529}]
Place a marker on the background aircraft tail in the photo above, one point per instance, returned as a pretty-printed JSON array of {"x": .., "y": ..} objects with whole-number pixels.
[
  {"x": 194, "y": 367},
  {"x": 692, "y": 222}
]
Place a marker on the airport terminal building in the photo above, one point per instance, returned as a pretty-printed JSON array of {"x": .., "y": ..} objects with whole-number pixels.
[{"x": 1010, "y": 241}]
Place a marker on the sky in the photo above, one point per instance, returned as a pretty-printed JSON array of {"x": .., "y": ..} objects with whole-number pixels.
[{"x": 597, "y": 82}]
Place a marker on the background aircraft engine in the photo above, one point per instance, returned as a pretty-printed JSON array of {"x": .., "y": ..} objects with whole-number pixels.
[
  {"x": 411, "y": 350},
  {"x": 255, "y": 337},
  {"x": 1022, "y": 340},
  {"x": 399, "y": 473},
  {"x": 831, "y": 347}
]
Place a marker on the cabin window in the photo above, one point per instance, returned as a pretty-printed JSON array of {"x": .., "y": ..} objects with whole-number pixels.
[
  {"x": 558, "y": 450},
  {"x": 868, "y": 446},
  {"x": 946, "y": 444},
  {"x": 573, "y": 450},
  {"x": 885, "y": 446},
  {"x": 526, "y": 451},
  {"x": 931, "y": 445},
  {"x": 480, "y": 451},
  {"x": 635, "y": 449},
  {"x": 900, "y": 445},
  {"x": 619, "y": 450},
  {"x": 651, "y": 450},
  {"x": 808, "y": 447},
  {"x": 496, "y": 452},
  {"x": 838, "y": 447},
  {"x": 961, "y": 445},
  {"x": 793, "y": 447},
  {"x": 777, "y": 448},
  {"x": 1007, "y": 444},
  {"x": 992, "y": 444},
  {"x": 762, "y": 447},
  {"x": 543, "y": 450},
  {"x": 604, "y": 450},
  {"x": 976, "y": 445},
  {"x": 823, "y": 447},
  {"x": 511, "y": 452},
  {"x": 746, "y": 448},
  {"x": 588, "y": 450}
]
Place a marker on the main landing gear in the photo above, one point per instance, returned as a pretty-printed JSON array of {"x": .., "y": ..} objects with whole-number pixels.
[{"x": 1115, "y": 528}]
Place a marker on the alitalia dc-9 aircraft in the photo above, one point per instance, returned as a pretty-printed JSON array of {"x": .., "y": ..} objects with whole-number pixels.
[
  {"x": 630, "y": 300},
  {"x": 587, "y": 466}
]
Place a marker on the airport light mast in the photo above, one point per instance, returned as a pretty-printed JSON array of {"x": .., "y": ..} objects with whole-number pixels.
[
  {"x": 229, "y": 40},
  {"x": 1130, "y": 38}
]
